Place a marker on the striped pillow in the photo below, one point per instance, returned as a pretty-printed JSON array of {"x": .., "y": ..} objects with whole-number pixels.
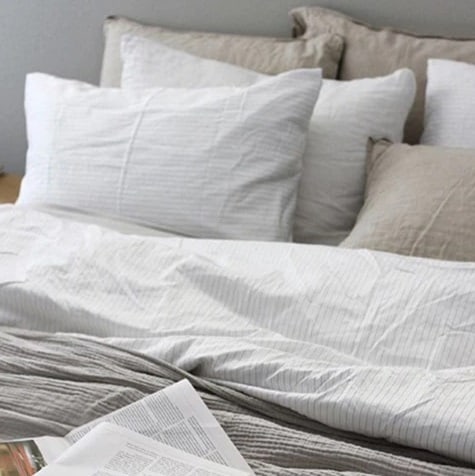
[{"x": 211, "y": 163}]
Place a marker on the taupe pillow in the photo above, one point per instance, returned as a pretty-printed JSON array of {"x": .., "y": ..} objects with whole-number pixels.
[
  {"x": 420, "y": 201},
  {"x": 375, "y": 52},
  {"x": 263, "y": 54}
]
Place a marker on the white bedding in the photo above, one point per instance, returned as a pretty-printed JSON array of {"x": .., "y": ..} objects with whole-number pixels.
[
  {"x": 363, "y": 341},
  {"x": 126, "y": 227}
]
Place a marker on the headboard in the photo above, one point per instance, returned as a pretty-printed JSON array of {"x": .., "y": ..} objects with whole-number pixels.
[{"x": 64, "y": 37}]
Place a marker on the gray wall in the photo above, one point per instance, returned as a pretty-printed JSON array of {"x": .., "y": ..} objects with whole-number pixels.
[{"x": 64, "y": 37}]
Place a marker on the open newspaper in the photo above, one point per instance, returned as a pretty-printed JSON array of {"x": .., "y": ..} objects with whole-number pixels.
[
  {"x": 174, "y": 420},
  {"x": 110, "y": 450}
]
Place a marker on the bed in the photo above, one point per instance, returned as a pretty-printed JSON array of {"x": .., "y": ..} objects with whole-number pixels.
[{"x": 286, "y": 223}]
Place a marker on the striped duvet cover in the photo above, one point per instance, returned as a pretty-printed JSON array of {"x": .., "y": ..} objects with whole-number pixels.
[{"x": 362, "y": 341}]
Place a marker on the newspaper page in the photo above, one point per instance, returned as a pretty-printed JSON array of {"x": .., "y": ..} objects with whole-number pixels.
[
  {"x": 111, "y": 450},
  {"x": 178, "y": 417},
  {"x": 175, "y": 416}
]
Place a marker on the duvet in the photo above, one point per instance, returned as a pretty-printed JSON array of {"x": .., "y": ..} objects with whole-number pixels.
[
  {"x": 51, "y": 383},
  {"x": 365, "y": 342}
]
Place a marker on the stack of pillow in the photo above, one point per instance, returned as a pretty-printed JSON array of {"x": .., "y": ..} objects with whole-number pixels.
[
  {"x": 200, "y": 140},
  {"x": 419, "y": 200},
  {"x": 219, "y": 160}
]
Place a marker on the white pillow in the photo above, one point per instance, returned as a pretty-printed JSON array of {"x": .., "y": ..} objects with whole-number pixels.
[
  {"x": 214, "y": 163},
  {"x": 450, "y": 104},
  {"x": 347, "y": 114},
  {"x": 146, "y": 62}
]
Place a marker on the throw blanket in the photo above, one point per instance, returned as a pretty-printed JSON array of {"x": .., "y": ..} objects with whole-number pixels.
[
  {"x": 371, "y": 343},
  {"x": 52, "y": 383}
]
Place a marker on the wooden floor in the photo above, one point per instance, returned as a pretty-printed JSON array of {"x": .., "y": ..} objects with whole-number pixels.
[{"x": 9, "y": 188}]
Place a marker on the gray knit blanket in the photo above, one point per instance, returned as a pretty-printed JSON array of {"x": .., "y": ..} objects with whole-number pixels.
[{"x": 51, "y": 383}]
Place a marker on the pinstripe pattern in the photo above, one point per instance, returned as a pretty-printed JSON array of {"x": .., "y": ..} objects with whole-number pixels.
[
  {"x": 71, "y": 381},
  {"x": 362, "y": 341},
  {"x": 210, "y": 163},
  {"x": 347, "y": 113}
]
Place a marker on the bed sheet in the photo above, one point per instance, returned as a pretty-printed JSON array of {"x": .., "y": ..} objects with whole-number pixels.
[{"x": 362, "y": 341}]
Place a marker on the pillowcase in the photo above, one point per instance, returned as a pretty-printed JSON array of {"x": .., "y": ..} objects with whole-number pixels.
[
  {"x": 347, "y": 114},
  {"x": 450, "y": 104},
  {"x": 420, "y": 201},
  {"x": 263, "y": 54},
  {"x": 151, "y": 64},
  {"x": 374, "y": 52},
  {"x": 214, "y": 163}
]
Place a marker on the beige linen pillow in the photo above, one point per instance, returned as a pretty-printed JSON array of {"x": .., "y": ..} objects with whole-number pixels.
[
  {"x": 419, "y": 201},
  {"x": 376, "y": 52},
  {"x": 263, "y": 54}
]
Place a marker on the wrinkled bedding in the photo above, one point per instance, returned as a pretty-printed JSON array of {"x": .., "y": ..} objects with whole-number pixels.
[
  {"x": 53, "y": 383},
  {"x": 361, "y": 341},
  {"x": 126, "y": 227}
]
